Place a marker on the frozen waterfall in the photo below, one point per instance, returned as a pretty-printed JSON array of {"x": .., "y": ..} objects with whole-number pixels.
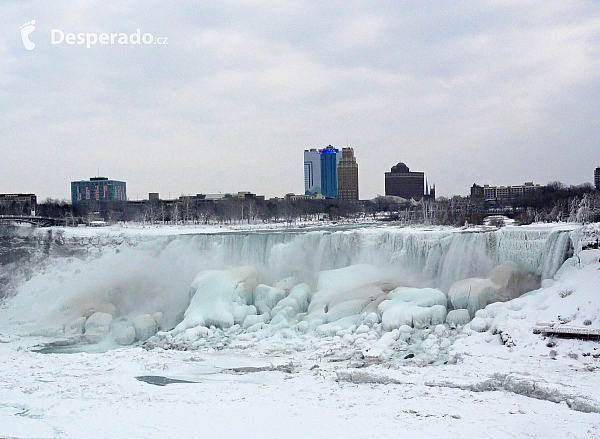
[
  {"x": 171, "y": 279},
  {"x": 419, "y": 256}
]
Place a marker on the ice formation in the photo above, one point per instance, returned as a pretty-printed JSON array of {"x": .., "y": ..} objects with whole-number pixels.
[
  {"x": 144, "y": 327},
  {"x": 220, "y": 298},
  {"x": 376, "y": 289},
  {"x": 266, "y": 298},
  {"x": 125, "y": 335},
  {"x": 97, "y": 326},
  {"x": 346, "y": 292},
  {"x": 414, "y": 307},
  {"x": 505, "y": 282},
  {"x": 458, "y": 317},
  {"x": 76, "y": 327}
]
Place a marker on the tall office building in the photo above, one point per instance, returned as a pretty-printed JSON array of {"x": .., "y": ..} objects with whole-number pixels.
[
  {"x": 597, "y": 178},
  {"x": 329, "y": 159},
  {"x": 98, "y": 190},
  {"x": 320, "y": 171},
  {"x": 347, "y": 170},
  {"x": 400, "y": 182},
  {"x": 312, "y": 172}
]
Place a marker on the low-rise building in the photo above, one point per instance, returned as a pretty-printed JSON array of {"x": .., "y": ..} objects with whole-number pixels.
[
  {"x": 400, "y": 182},
  {"x": 18, "y": 204},
  {"x": 296, "y": 197},
  {"x": 487, "y": 192},
  {"x": 98, "y": 190}
]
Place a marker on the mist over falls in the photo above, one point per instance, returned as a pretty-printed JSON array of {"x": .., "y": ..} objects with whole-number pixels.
[{"x": 302, "y": 280}]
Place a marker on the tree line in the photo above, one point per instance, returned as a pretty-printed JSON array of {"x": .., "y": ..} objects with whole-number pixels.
[{"x": 550, "y": 203}]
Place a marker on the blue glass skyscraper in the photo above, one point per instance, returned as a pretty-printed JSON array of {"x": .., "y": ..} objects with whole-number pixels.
[{"x": 329, "y": 178}]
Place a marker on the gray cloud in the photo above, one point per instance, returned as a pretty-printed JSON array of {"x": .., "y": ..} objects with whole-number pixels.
[{"x": 499, "y": 92}]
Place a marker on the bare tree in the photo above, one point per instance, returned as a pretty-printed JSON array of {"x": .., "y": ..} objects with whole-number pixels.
[
  {"x": 204, "y": 212},
  {"x": 163, "y": 211},
  {"x": 288, "y": 211},
  {"x": 185, "y": 202},
  {"x": 151, "y": 211},
  {"x": 252, "y": 210},
  {"x": 175, "y": 212}
]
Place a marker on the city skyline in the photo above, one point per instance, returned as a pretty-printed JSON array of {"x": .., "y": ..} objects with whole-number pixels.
[
  {"x": 228, "y": 95},
  {"x": 426, "y": 185}
]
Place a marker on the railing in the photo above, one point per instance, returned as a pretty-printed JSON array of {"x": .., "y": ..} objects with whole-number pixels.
[
  {"x": 567, "y": 331},
  {"x": 39, "y": 221}
]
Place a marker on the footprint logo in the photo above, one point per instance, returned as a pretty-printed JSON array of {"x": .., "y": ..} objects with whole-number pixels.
[{"x": 26, "y": 29}]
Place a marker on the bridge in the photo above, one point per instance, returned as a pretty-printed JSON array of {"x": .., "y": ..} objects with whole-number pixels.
[
  {"x": 38, "y": 221},
  {"x": 507, "y": 211}
]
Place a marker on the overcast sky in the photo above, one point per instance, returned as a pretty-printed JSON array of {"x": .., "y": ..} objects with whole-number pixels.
[{"x": 498, "y": 92}]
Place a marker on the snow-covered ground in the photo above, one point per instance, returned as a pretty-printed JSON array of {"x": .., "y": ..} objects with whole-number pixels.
[
  {"x": 366, "y": 341},
  {"x": 97, "y": 396}
]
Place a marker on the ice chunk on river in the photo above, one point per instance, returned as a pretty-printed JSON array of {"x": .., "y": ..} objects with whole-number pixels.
[
  {"x": 145, "y": 327},
  {"x": 97, "y": 326}
]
